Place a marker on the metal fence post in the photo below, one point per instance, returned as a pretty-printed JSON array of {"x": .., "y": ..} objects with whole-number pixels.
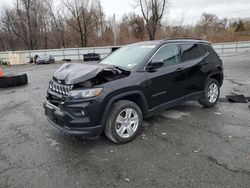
[
  {"x": 78, "y": 50},
  {"x": 63, "y": 54}
]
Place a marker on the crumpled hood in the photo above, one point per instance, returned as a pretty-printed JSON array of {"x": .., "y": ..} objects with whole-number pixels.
[{"x": 73, "y": 73}]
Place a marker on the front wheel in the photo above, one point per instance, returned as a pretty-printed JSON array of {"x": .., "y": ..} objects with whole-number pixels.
[
  {"x": 124, "y": 122},
  {"x": 211, "y": 95}
]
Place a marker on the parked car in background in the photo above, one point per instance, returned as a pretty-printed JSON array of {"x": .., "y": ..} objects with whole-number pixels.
[
  {"x": 44, "y": 59},
  {"x": 133, "y": 83}
]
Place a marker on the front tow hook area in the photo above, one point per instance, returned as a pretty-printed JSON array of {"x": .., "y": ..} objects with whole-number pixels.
[{"x": 51, "y": 111}]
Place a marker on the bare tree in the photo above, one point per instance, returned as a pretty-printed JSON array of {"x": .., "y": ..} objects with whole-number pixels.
[
  {"x": 83, "y": 16},
  {"x": 137, "y": 25},
  {"x": 58, "y": 26},
  {"x": 152, "y": 11},
  {"x": 27, "y": 21},
  {"x": 209, "y": 24}
]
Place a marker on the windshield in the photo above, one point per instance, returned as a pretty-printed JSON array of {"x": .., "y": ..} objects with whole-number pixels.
[{"x": 128, "y": 56}]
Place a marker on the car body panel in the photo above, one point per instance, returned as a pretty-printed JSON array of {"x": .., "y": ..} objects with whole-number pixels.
[{"x": 72, "y": 73}]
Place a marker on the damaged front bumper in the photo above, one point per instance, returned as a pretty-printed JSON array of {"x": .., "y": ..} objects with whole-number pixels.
[{"x": 67, "y": 123}]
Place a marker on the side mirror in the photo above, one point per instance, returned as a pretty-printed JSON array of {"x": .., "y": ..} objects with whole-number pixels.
[{"x": 153, "y": 65}]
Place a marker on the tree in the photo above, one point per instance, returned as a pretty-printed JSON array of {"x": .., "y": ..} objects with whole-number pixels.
[
  {"x": 152, "y": 11},
  {"x": 27, "y": 21},
  {"x": 82, "y": 16},
  {"x": 58, "y": 26},
  {"x": 240, "y": 27},
  {"x": 209, "y": 24},
  {"x": 137, "y": 26}
]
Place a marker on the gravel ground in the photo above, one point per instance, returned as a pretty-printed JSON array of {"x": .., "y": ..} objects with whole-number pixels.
[{"x": 186, "y": 146}]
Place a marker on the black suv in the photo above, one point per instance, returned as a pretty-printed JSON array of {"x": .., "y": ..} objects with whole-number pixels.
[{"x": 133, "y": 83}]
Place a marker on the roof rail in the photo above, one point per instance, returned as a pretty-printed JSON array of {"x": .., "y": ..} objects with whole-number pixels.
[{"x": 182, "y": 38}]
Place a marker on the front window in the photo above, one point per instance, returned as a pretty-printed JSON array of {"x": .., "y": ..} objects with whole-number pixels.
[
  {"x": 128, "y": 56},
  {"x": 169, "y": 54}
]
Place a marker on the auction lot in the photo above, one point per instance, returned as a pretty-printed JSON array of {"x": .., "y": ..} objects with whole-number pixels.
[{"x": 186, "y": 146}]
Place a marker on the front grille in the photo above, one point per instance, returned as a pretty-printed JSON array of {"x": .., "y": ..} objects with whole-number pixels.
[
  {"x": 59, "y": 88},
  {"x": 55, "y": 100}
]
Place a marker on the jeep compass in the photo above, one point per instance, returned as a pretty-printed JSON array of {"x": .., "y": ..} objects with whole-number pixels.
[{"x": 131, "y": 84}]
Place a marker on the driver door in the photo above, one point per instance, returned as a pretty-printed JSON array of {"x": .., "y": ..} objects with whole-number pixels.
[{"x": 165, "y": 83}]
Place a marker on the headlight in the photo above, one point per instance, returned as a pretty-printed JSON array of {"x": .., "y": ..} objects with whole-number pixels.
[{"x": 83, "y": 94}]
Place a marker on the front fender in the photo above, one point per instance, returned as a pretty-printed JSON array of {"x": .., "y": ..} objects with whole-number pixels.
[{"x": 120, "y": 96}]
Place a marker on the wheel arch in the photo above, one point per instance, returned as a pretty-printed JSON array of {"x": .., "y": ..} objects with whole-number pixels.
[
  {"x": 217, "y": 76},
  {"x": 134, "y": 96}
]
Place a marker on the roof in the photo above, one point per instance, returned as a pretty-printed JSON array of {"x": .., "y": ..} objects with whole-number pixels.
[
  {"x": 185, "y": 40},
  {"x": 175, "y": 40}
]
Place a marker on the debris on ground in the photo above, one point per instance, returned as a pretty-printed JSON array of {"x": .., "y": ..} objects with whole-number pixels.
[
  {"x": 13, "y": 80},
  {"x": 237, "y": 99},
  {"x": 163, "y": 134},
  {"x": 127, "y": 180},
  {"x": 217, "y": 113},
  {"x": 144, "y": 137}
]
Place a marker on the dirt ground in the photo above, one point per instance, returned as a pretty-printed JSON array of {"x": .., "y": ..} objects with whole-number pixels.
[{"x": 186, "y": 146}]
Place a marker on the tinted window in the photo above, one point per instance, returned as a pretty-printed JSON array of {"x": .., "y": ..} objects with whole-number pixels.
[
  {"x": 190, "y": 51},
  {"x": 212, "y": 53},
  {"x": 203, "y": 50},
  {"x": 169, "y": 54}
]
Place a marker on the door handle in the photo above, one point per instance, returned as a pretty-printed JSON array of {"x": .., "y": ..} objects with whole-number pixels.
[{"x": 180, "y": 69}]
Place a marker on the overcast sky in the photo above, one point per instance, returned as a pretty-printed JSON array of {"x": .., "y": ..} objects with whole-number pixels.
[{"x": 190, "y": 10}]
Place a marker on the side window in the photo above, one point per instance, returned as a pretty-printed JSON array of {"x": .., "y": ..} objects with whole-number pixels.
[
  {"x": 190, "y": 51},
  {"x": 203, "y": 50},
  {"x": 212, "y": 53},
  {"x": 169, "y": 54}
]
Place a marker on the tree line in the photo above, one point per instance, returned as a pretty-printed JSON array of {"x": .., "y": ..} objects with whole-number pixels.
[{"x": 43, "y": 24}]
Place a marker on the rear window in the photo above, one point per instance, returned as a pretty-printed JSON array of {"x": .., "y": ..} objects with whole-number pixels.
[
  {"x": 190, "y": 51},
  {"x": 212, "y": 53},
  {"x": 203, "y": 50}
]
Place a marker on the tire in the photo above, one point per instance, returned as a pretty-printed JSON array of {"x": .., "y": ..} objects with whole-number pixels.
[
  {"x": 13, "y": 80},
  {"x": 121, "y": 133},
  {"x": 210, "y": 99}
]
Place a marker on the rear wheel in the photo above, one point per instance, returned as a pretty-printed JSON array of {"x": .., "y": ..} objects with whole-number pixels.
[
  {"x": 124, "y": 122},
  {"x": 211, "y": 95}
]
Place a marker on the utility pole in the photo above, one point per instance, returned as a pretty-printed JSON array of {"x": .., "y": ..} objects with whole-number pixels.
[{"x": 114, "y": 30}]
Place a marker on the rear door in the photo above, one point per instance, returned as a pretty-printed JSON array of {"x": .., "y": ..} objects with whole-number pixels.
[
  {"x": 165, "y": 84},
  {"x": 193, "y": 57}
]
